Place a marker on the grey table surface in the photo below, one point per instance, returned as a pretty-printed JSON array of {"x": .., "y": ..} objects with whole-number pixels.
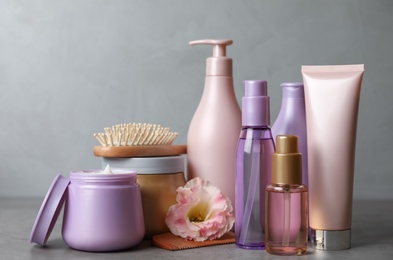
[{"x": 372, "y": 238}]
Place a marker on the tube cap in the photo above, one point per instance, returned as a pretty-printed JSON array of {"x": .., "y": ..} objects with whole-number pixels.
[
  {"x": 287, "y": 161},
  {"x": 331, "y": 240},
  {"x": 219, "y": 64},
  {"x": 255, "y": 104}
]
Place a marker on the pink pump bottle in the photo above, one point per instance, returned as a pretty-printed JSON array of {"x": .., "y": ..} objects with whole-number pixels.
[{"x": 214, "y": 129}]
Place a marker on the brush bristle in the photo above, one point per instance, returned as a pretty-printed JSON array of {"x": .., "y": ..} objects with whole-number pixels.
[{"x": 135, "y": 134}]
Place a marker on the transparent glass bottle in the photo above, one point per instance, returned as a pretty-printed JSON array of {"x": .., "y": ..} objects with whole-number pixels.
[
  {"x": 286, "y": 201},
  {"x": 253, "y": 167}
]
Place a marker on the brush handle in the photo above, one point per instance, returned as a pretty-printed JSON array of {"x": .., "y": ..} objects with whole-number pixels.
[
  {"x": 139, "y": 151},
  {"x": 171, "y": 242}
]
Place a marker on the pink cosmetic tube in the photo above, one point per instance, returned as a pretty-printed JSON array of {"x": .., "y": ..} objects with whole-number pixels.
[{"x": 332, "y": 101}]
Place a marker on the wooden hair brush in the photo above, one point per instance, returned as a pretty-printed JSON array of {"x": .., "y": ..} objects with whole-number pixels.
[{"x": 137, "y": 140}]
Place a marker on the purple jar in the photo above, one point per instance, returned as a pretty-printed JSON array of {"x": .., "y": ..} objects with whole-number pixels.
[{"x": 103, "y": 212}]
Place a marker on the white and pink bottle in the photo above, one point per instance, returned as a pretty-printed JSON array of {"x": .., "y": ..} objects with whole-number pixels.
[{"x": 214, "y": 129}]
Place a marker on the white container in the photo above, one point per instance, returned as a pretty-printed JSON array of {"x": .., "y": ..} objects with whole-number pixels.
[{"x": 158, "y": 177}]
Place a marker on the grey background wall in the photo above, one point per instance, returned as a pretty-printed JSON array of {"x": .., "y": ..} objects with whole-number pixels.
[{"x": 70, "y": 68}]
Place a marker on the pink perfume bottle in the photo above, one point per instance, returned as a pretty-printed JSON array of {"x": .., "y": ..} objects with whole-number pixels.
[{"x": 286, "y": 201}]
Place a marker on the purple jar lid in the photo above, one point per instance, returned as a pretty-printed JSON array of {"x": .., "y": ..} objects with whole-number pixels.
[{"x": 49, "y": 211}]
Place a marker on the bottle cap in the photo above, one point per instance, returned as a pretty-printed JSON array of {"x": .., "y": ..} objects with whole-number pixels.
[
  {"x": 287, "y": 161},
  {"x": 292, "y": 90},
  {"x": 255, "y": 104},
  {"x": 331, "y": 240},
  {"x": 219, "y": 64}
]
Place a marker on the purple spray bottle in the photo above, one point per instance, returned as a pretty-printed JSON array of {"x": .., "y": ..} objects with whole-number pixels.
[{"x": 253, "y": 166}]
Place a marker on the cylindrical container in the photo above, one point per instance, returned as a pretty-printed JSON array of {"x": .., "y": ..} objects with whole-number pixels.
[
  {"x": 332, "y": 96},
  {"x": 159, "y": 177},
  {"x": 103, "y": 212},
  {"x": 253, "y": 166},
  {"x": 292, "y": 120},
  {"x": 286, "y": 201}
]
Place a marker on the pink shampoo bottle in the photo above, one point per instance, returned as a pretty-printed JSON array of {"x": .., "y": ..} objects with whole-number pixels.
[{"x": 214, "y": 129}]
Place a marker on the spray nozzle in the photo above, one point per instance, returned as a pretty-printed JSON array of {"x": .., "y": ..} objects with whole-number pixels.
[
  {"x": 287, "y": 161},
  {"x": 218, "y": 64},
  {"x": 286, "y": 144},
  {"x": 255, "y": 104}
]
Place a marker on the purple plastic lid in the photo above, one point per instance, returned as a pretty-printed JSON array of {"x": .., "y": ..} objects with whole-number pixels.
[
  {"x": 49, "y": 211},
  {"x": 293, "y": 90},
  {"x": 255, "y": 104}
]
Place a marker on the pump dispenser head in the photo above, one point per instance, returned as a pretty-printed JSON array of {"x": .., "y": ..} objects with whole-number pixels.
[
  {"x": 287, "y": 161},
  {"x": 219, "y": 64},
  {"x": 255, "y": 104}
]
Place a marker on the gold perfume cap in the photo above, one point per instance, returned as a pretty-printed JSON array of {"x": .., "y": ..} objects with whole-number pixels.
[{"x": 287, "y": 161}]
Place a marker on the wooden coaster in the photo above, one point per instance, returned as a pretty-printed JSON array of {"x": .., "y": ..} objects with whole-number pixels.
[{"x": 171, "y": 242}]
